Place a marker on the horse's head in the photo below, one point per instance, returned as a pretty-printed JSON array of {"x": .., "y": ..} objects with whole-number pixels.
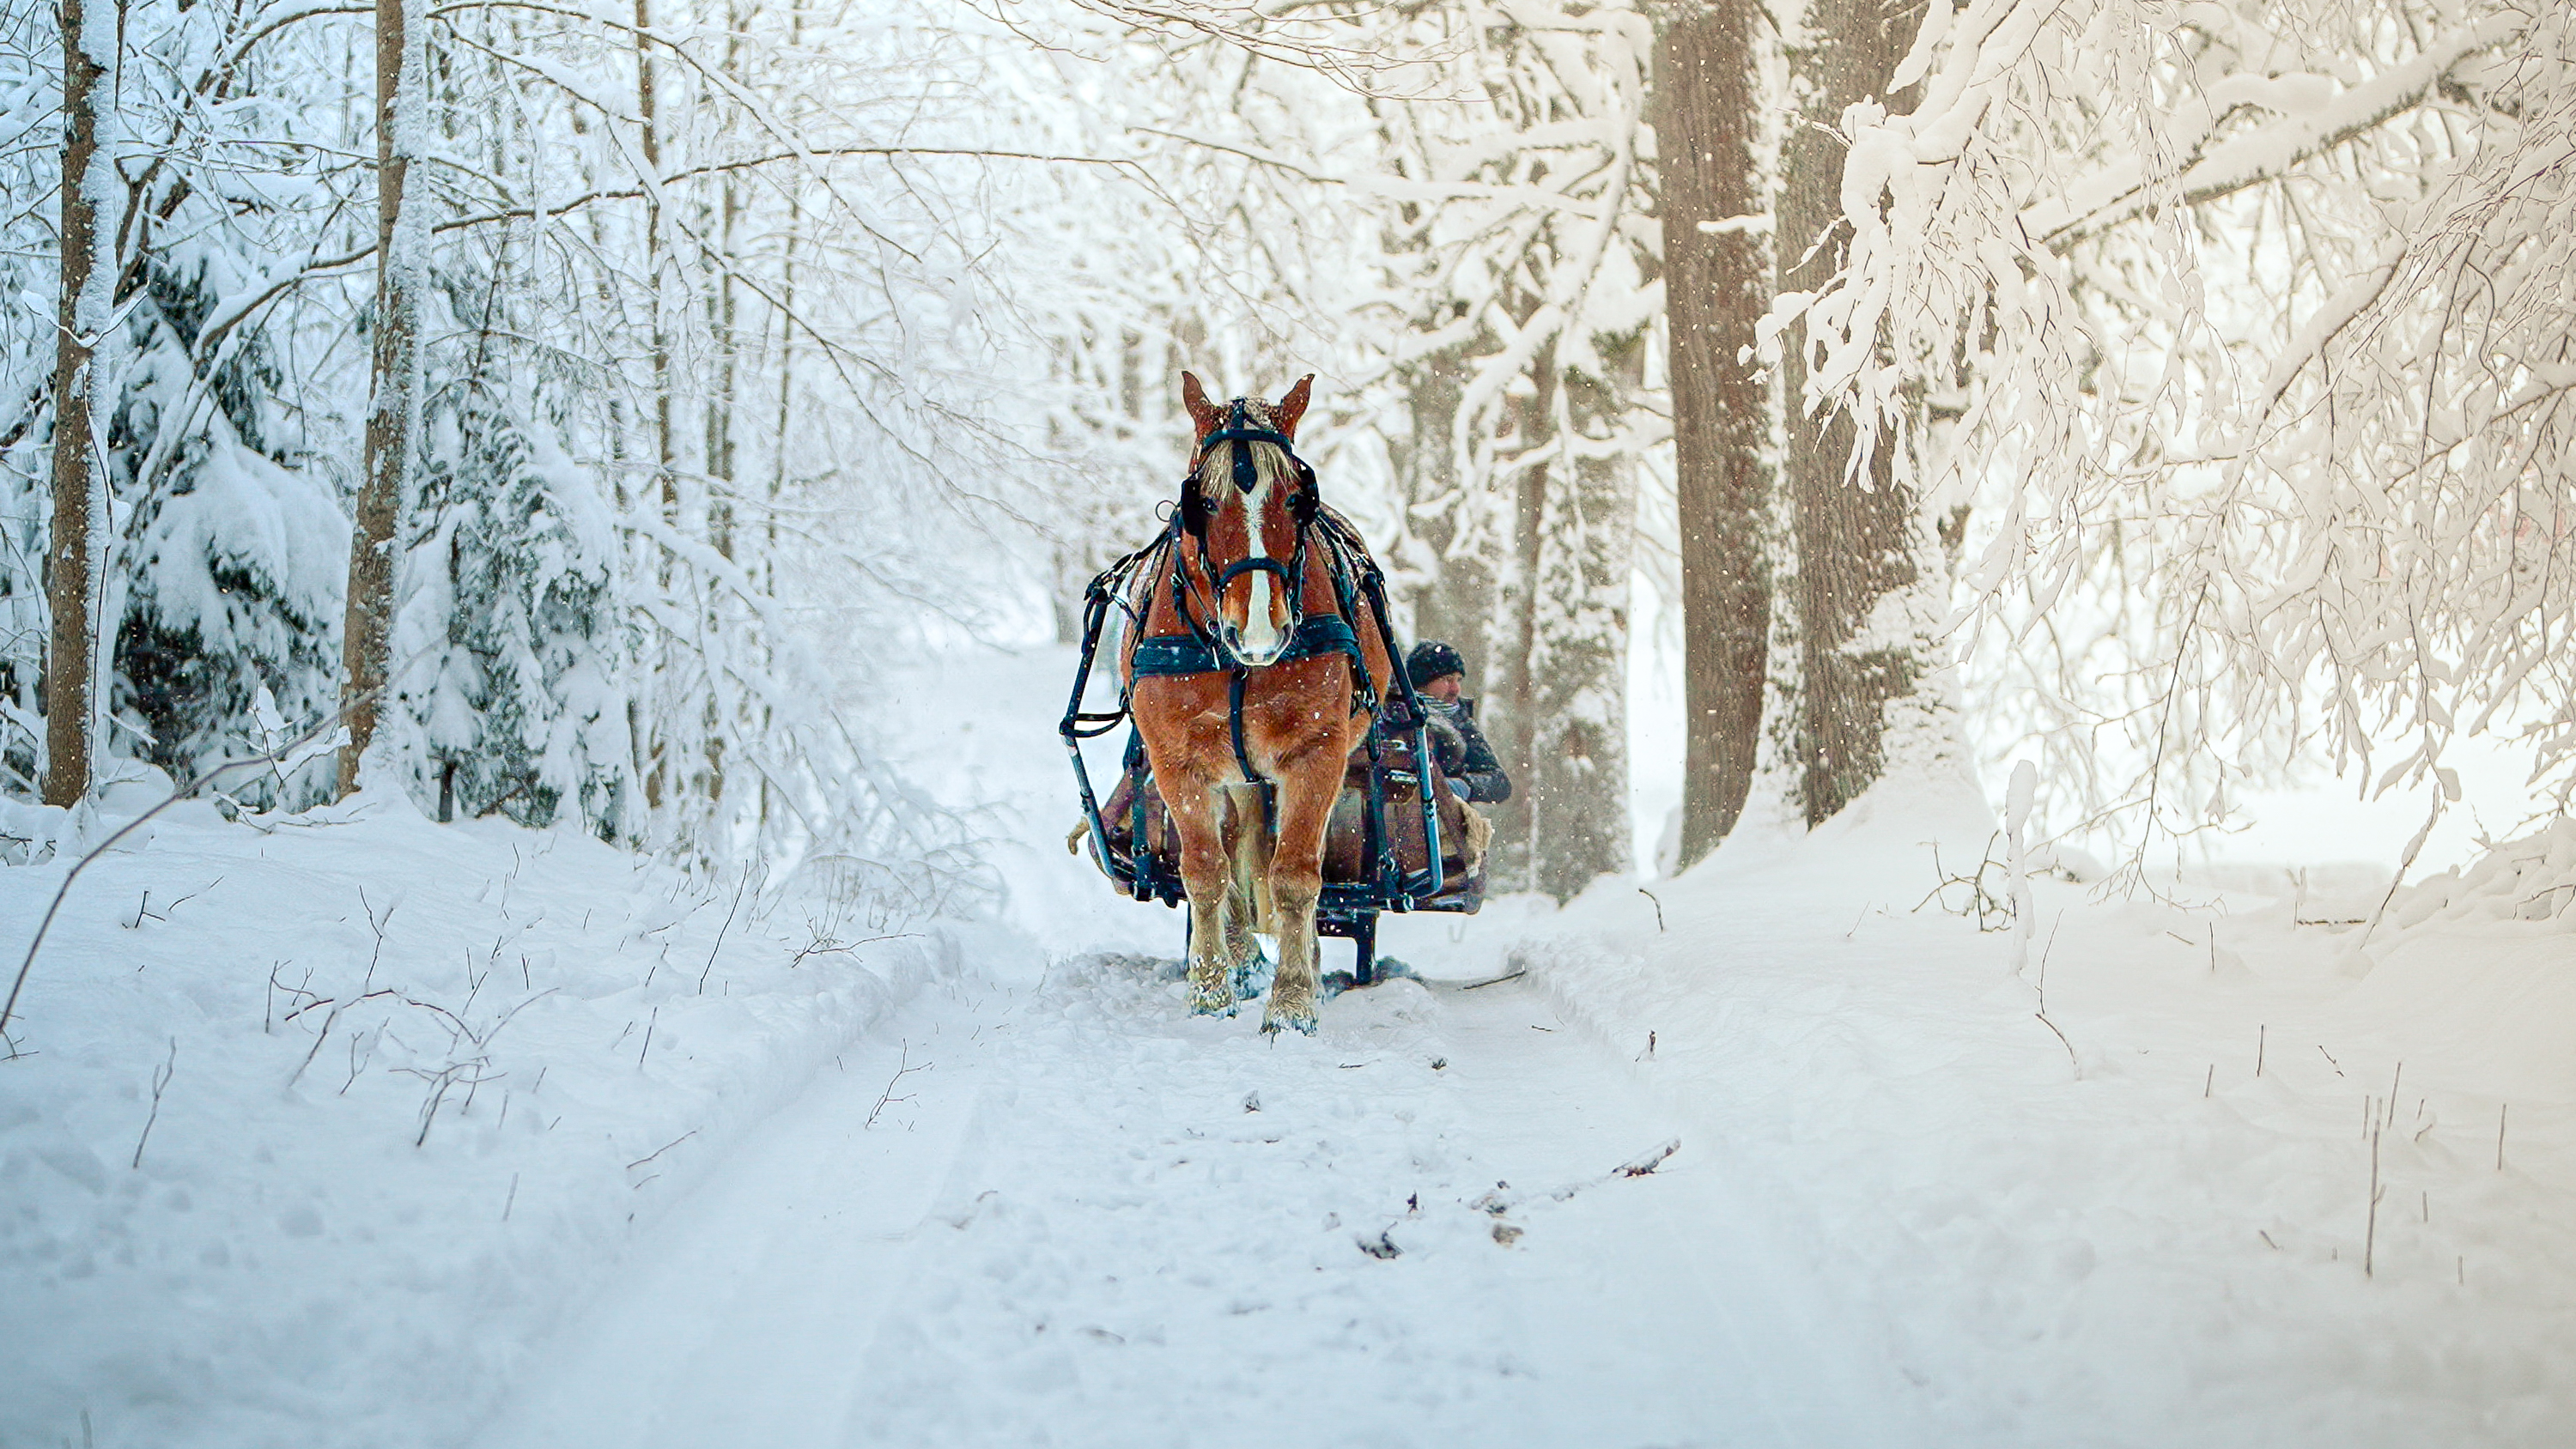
[{"x": 1246, "y": 504}]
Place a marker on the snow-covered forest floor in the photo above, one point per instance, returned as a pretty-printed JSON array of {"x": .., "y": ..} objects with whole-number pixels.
[{"x": 363, "y": 1130}]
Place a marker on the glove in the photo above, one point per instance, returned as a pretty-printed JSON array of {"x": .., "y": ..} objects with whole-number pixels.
[
  {"x": 1458, "y": 788},
  {"x": 1448, "y": 747}
]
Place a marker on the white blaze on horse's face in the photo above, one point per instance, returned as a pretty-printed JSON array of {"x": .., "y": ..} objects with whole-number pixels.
[{"x": 1255, "y": 608}]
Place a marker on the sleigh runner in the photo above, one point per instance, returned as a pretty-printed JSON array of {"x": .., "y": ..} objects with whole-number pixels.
[{"x": 1397, "y": 839}]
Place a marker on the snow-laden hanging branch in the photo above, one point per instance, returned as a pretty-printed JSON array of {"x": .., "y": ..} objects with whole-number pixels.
[
  {"x": 690, "y": 277},
  {"x": 2246, "y": 331},
  {"x": 711, "y": 338},
  {"x": 1364, "y": 49},
  {"x": 1523, "y": 245}
]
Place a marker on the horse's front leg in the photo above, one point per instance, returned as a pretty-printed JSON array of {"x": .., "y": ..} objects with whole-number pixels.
[
  {"x": 1247, "y": 852},
  {"x": 1306, "y": 797},
  {"x": 1204, "y": 877}
]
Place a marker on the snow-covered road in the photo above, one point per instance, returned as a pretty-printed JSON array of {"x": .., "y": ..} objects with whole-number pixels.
[
  {"x": 1906, "y": 1208},
  {"x": 1100, "y": 1222}
]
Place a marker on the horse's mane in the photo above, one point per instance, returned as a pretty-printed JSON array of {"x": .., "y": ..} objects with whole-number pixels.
[{"x": 1267, "y": 459}]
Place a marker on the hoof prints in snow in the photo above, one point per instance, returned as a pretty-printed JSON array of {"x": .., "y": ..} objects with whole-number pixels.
[{"x": 1167, "y": 1212}]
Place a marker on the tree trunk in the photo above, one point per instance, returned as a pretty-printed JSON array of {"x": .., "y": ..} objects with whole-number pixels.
[
  {"x": 1449, "y": 598},
  {"x": 1426, "y": 472},
  {"x": 662, "y": 773},
  {"x": 1716, "y": 287},
  {"x": 1578, "y": 722},
  {"x": 722, "y": 310},
  {"x": 1857, "y": 540},
  {"x": 83, "y": 315},
  {"x": 649, "y": 140},
  {"x": 1510, "y": 631},
  {"x": 393, "y": 412}
]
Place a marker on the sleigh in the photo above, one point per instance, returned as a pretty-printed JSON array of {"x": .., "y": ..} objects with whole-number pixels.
[{"x": 1392, "y": 845}]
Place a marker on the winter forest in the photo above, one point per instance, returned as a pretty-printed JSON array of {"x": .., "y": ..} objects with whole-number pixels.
[{"x": 2020, "y": 556}]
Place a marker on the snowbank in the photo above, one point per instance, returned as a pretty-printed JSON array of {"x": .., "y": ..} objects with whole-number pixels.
[
  {"x": 2149, "y": 1217},
  {"x": 322, "y": 1120}
]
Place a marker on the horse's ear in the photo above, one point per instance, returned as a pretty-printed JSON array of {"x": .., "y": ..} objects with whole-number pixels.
[
  {"x": 1293, "y": 406},
  {"x": 1203, "y": 414}
]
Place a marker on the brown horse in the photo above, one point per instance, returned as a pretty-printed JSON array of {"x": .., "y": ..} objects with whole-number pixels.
[{"x": 1255, "y": 690}]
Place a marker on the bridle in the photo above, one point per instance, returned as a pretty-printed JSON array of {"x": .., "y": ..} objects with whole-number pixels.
[{"x": 1206, "y": 585}]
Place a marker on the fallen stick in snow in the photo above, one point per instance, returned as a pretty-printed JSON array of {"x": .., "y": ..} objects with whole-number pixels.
[
  {"x": 1501, "y": 1200},
  {"x": 1512, "y": 975},
  {"x": 2042, "y": 988},
  {"x": 658, "y": 1151},
  {"x": 730, "y": 913},
  {"x": 903, "y": 1069},
  {"x": 160, "y": 1083},
  {"x": 1640, "y": 1166}
]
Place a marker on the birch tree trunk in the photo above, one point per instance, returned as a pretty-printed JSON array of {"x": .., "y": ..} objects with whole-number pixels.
[
  {"x": 1716, "y": 286},
  {"x": 649, "y": 139},
  {"x": 393, "y": 385},
  {"x": 1857, "y": 540},
  {"x": 84, "y": 312},
  {"x": 659, "y": 768}
]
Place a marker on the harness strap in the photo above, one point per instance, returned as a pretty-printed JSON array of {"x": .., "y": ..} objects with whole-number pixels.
[
  {"x": 1180, "y": 654},
  {"x": 1234, "y": 724}
]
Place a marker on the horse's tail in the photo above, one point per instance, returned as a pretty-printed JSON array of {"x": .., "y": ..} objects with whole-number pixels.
[{"x": 1248, "y": 847}]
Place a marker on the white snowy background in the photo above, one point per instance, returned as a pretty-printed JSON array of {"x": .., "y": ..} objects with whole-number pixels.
[{"x": 2172, "y": 1049}]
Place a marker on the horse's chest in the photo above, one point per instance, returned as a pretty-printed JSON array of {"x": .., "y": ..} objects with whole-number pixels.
[{"x": 1275, "y": 731}]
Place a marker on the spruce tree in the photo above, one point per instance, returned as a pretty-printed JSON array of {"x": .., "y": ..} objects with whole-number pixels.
[{"x": 521, "y": 709}]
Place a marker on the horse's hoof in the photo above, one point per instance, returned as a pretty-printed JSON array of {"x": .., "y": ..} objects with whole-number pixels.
[
  {"x": 1274, "y": 1022},
  {"x": 1253, "y": 977},
  {"x": 1215, "y": 1000}
]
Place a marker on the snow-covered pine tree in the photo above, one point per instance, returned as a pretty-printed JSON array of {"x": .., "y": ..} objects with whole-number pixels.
[
  {"x": 514, "y": 596},
  {"x": 207, "y": 582},
  {"x": 229, "y": 566}
]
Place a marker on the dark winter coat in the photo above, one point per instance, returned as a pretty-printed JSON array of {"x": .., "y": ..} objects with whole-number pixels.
[{"x": 1463, "y": 754}]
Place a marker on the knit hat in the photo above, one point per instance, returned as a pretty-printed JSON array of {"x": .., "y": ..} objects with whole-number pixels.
[{"x": 1430, "y": 660}]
